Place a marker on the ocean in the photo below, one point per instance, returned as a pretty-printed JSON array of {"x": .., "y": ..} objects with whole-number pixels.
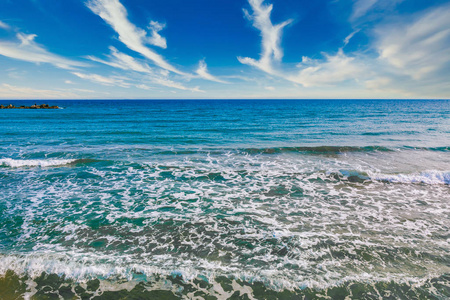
[{"x": 225, "y": 199}]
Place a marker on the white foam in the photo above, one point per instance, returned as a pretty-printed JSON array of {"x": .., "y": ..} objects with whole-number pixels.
[
  {"x": 17, "y": 163},
  {"x": 118, "y": 276},
  {"x": 429, "y": 177},
  {"x": 276, "y": 204}
]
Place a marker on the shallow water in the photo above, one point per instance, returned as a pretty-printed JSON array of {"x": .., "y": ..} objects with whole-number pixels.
[{"x": 226, "y": 199}]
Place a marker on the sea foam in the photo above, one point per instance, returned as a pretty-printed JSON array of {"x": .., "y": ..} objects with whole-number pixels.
[
  {"x": 429, "y": 177},
  {"x": 18, "y": 163}
]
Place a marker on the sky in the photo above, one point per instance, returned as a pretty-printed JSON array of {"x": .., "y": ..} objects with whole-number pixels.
[{"x": 224, "y": 49}]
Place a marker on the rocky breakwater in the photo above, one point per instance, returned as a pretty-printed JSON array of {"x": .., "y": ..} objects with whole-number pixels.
[{"x": 35, "y": 106}]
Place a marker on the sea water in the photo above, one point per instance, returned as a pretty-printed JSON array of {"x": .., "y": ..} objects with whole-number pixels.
[{"x": 253, "y": 199}]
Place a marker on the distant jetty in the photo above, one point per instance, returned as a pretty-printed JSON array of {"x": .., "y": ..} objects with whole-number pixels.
[{"x": 35, "y": 106}]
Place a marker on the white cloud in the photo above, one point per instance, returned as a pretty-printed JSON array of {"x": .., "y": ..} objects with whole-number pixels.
[
  {"x": 270, "y": 88},
  {"x": 349, "y": 37},
  {"x": 361, "y": 7},
  {"x": 3, "y": 25},
  {"x": 378, "y": 83},
  {"x": 202, "y": 71},
  {"x": 85, "y": 91},
  {"x": 16, "y": 92},
  {"x": 271, "y": 36},
  {"x": 419, "y": 46},
  {"x": 172, "y": 84},
  {"x": 122, "y": 61},
  {"x": 143, "y": 86},
  {"x": 125, "y": 62},
  {"x": 28, "y": 50},
  {"x": 115, "y": 14},
  {"x": 156, "y": 39},
  {"x": 390, "y": 86},
  {"x": 336, "y": 68},
  {"x": 331, "y": 70},
  {"x": 16, "y": 74},
  {"x": 369, "y": 10},
  {"x": 110, "y": 81},
  {"x": 68, "y": 82}
]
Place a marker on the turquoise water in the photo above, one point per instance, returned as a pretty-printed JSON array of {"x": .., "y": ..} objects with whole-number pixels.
[{"x": 225, "y": 199}]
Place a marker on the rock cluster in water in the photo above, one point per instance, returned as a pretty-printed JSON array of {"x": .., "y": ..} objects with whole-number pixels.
[{"x": 35, "y": 106}]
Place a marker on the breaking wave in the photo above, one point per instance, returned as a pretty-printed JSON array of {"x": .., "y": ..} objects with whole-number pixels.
[
  {"x": 428, "y": 177},
  {"x": 58, "y": 276},
  {"x": 42, "y": 163},
  {"x": 431, "y": 177}
]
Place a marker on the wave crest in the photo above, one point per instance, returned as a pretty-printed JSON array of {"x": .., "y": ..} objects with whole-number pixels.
[
  {"x": 430, "y": 177},
  {"x": 427, "y": 177},
  {"x": 18, "y": 163}
]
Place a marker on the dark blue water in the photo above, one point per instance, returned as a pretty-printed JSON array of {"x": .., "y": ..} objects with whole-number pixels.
[{"x": 225, "y": 199}]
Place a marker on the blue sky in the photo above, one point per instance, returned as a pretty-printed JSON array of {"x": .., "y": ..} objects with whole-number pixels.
[{"x": 201, "y": 49}]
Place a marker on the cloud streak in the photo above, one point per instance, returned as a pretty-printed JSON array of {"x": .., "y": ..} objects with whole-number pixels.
[
  {"x": 417, "y": 47},
  {"x": 270, "y": 33},
  {"x": 115, "y": 14},
  {"x": 26, "y": 49},
  {"x": 202, "y": 71},
  {"x": 136, "y": 39},
  {"x": 125, "y": 62},
  {"x": 411, "y": 57},
  {"x": 110, "y": 81},
  {"x": 329, "y": 71},
  {"x": 336, "y": 68},
  {"x": 8, "y": 91},
  {"x": 122, "y": 61},
  {"x": 5, "y": 26},
  {"x": 156, "y": 39},
  {"x": 361, "y": 7}
]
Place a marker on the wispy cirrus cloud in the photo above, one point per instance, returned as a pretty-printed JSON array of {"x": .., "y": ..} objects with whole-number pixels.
[
  {"x": 3, "y": 25},
  {"x": 417, "y": 46},
  {"x": 8, "y": 91},
  {"x": 176, "y": 85},
  {"x": 334, "y": 69},
  {"x": 318, "y": 72},
  {"x": 125, "y": 62},
  {"x": 110, "y": 81},
  {"x": 270, "y": 33},
  {"x": 411, "y": 57},
  {"x": 364, "y": 8},
  {"x": 26, "y": 49},
  {"x": 115, "y": 14},
  {"x": 136, "y": 39},
  {"x": 202, "y": 71},
  {"x": 361, "y": 7},
  {"x": 156, "y": 39}
]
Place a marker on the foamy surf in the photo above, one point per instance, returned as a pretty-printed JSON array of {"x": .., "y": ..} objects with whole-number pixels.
[
  {"x": 66, "y": 276},
  {"x": 430, "y": 177},
  {"x": 43, "y": 163}
]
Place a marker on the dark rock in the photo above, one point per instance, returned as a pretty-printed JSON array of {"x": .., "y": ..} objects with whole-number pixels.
[{"x": 35, "y": 106}]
